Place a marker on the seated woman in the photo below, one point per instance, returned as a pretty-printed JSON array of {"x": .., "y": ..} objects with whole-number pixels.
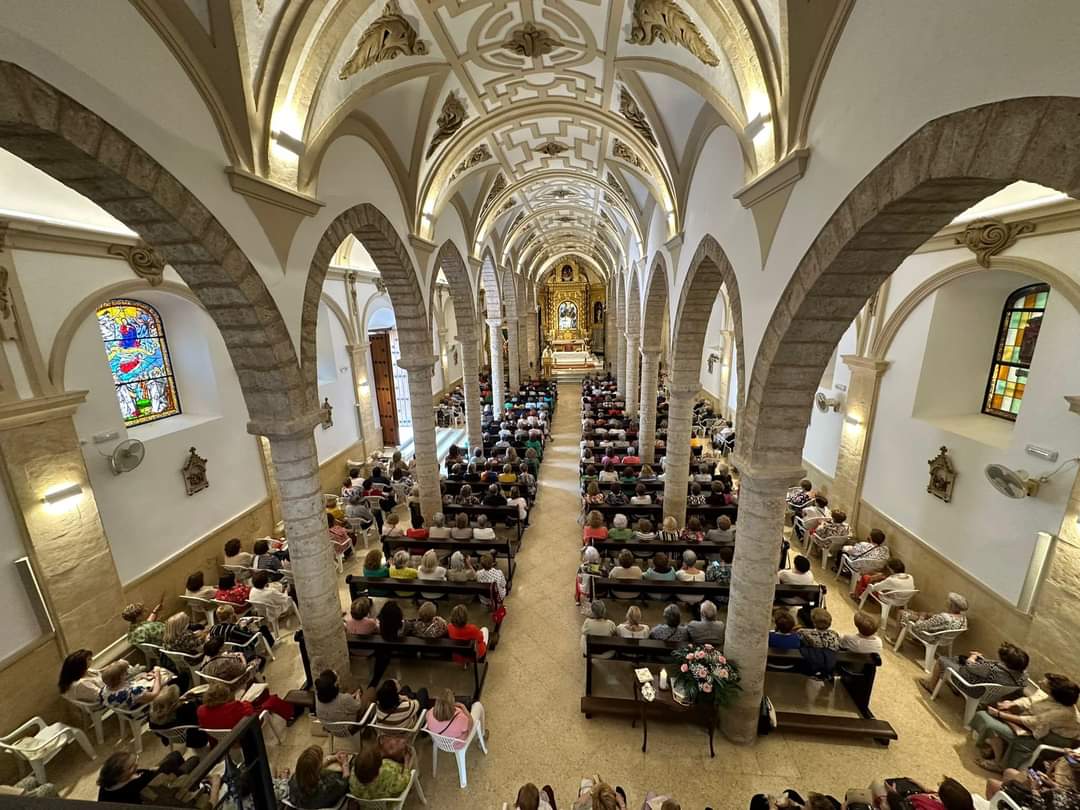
[
  {"x": 179, "y": 637},
  {"x": 357, "y": 511},
  {"x": 518, "y": 500},
  {"x": 374, "y": 777},
  {"x": 266, "y": 561},
  {"x": 597, "y": 623},
  {"x": 144, "y": 628},
  {"x": 954, "y": 617},
  {"x": 228, "y": 665},
  {"x": 821, "y": 635},
  {"x": 696, "y": 497},
  {"x": 221, "y": 710},
  {"x": 494, "y": 497},
  {"x": 532, "y": 458},
  {"x": 128, "y": 693},
  {"x": 78, "y": 681},
  {"x": 472, "y": 474},
  {"x": 620, "y": 529},
  {"x": 723, "y": 533},
  {"x": 466, "y": 497},
  {"x": 670, "y": 629},
  {"x": 626, "y": 569},
  {"x": 689, "y": 572},
  {"x": 508, "y": 476},
  {"x": 448, "y": 718},
  {"x": 702, "y": 474},
  {"x": 334, "y": 706},
  {"x": 400, "y": 568},
  {"x": 669, "y": 531},
  {"x": 462, "y": 530},
  {"x": 1009, "y": 670},
  {"x": 319, "y": 781},
  {"x": 608, "y": 473},
  {"x": 641, "y": 496},
  {"x": 234, "y": 555},
  {"x": 392, "y": 526},
  {"x": 660, "y": 569},
  {"x": 375, "y": 565},
  {"x": 644, "y": 533},
  {"x": 461, "y": 629},
  {"x": 593, "y": 495},
  {"x": 229, "y": 590},
  {"x": 274, "y": 601},
  {"x": 359, "y": 621},
  {"x": 693, "y": 533},
  {"x": 122, "y": 781},
  {"x": 716, "y": 495},
  {"x": 594, "y": 528},
  {"x": 1051, "y": 779},
  {"x": 398, "y": 706},
  {"x": 461, "y": 568},
  {"x": 646, "y": 473},
  {"x": 196, "y": 586},
  {"x": 633, "y": 626},
  {"x": 428, "y": 623},
  {"x": 783, "y": 635},
  {"x": 438, "y": 529},
  {"x": 484, "y": 530},
  {"x": 170, "y": 710},
  {"x": 1008, "y": 732}
]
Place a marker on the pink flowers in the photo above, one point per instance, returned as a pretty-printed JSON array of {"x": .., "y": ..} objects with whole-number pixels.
[
  {"x": 684, "y": 668},
  {"x": 706, "y": 687}
]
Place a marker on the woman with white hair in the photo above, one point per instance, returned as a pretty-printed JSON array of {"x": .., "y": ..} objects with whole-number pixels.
[
  {"x": 620, "y": 529},
  {"x": 633, "y": 627},
  {"x": 669, "y": 629},
  {"x": 597, "y": 624},
  {"x": 708, "y": 629},
  {"x": 438, "y": 530},
  {"x": 461, "y": 569},
  {"x": 430, "y": 571},
  {"x": 690, "y": 573},
  {"x": 954, "y": 617}
]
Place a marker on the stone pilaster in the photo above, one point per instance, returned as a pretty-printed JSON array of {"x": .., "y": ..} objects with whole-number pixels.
[
  {"x": 296, "y": 468},
  {"x": 495, "y": 341},
  {"x": 650, "y": 369},
  {"x": 677, "y": 471},
  {"x": 513, "y": 360},
  {"x": 470, "y": 382},
  {"x": 66, "y": 542},
  {"x": 620, "y": 363},
  {"x": 370, "y": 429},
  {"x": 423, "y": 416},
  {"x": 753, "y": 581},
  {"x": 525, "y": 334},
  {"x": 632, "y": 366},
  {"x": 859, "y": 407},
  {"x": 442, "y": 358}
]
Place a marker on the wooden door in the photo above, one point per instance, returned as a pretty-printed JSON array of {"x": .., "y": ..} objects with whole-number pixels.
[{"x": 382, "y": 364}]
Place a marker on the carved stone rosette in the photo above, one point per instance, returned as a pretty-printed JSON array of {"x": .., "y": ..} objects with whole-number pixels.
[
  {"x": 624, "y": 152},
  {"x": 146, "y": 262},
  {"x": 553, "y": 148},
  {"x": 663, "y": 20},
  {"x": 987, "y": 238},
  {"x": 531, "y": 42},
  {"x": 389, "y": 36},
  {"x": 477, "y": 156},
  {"x": 451, "y": 118},
  {"x": 630, "y": 110}
]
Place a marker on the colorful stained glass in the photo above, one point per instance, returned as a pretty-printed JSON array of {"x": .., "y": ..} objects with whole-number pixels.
[
  {"x": 1017, "y": 335},
  {"x": 138, "y": 356}
]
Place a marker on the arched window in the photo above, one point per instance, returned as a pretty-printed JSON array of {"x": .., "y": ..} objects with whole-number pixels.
[
  {"x": 1017, "y": 335},
  {"x": 138, "y": 358}
]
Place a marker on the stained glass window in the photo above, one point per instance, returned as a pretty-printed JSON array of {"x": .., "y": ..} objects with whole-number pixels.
[
  {"x": 1019, "y": 330},
  {"x": 138, "y": 356}
]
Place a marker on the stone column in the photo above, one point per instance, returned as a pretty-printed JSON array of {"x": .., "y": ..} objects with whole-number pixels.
[
  {"x": 677, "y": 472},
  {"x": 632, "y": 360},
  {"x": 859, "y": 407},
  {"x": 525, "y": 357},
  {"x": 495, "y": 340},
  {"x": 424, "y": 448},
  {"x": 650, "y": 370},
  {"x": 531, "y": 344},
  {"x": 620, "y": 363},
  {"x": 470, "y": 381},
  {"x": 760, "y": 525},
  {"x": 65, "y": 541},
  {"x": 370, "y": 428},
  {"x": 442, "y": 359},
  {"x": 726, "y": 372},
  {"x": 513, "y": 360},
  {"x": 296, "y": 468}
]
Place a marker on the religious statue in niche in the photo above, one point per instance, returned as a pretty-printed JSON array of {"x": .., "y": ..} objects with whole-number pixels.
[
  {"x": 327, "y": 414},
  {"x": 194, "y": 472},
  {"x": 566, "y": 274},
  {"x": 568, "y": 315},
  {"x": 598, "y": 312},
  {"x": 942, "y": 476}
]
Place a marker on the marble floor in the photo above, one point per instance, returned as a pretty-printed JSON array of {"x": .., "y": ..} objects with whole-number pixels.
[{"x": 536, "y": 678}]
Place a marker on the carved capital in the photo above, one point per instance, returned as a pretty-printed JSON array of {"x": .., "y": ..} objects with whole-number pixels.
[
  {"x": 987, "y": 238},
  {"x": 146, "y": 262},
  {"x": 389, "y": 36}
]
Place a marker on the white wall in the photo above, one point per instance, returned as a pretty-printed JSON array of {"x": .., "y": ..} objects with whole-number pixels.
[
  {"x": 335, "y": 384},
  {"x": 823, "y": 435},
  {"x": 20, "y": 625}
]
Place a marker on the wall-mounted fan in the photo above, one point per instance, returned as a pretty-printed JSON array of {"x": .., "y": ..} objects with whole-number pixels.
[
  {"x": 126, "y": 456},
  {"x": 1017, "y": 483},
  {"x": 826, "y": 404}
]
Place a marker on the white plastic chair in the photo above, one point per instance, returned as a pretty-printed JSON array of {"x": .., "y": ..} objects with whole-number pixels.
[
  {"x": 202, "y": 610},
  {"x": 95, "y": 713},
  {"x": 256, "y": 642},
  {"x": 398, "y": 802},
  {"x": 1002, "y": 801},
  {"x": 151, "y": 653},
  {"x": 175, "y": 736},
  {"x": 242, "y": 680},
  {"x": 887, "y": 599},
  {"x": 458, "y": 748},
  {"x": 137, "y": 721},
  {"x": 271, "y": 616},
  {"x": 220, "y": 734},
  {"x": 931, "y": 641},
  {"x": 344, "y": 729},
  {"x": 401, "y": 731},
  {"x": 1038, "y": 753},
  {"x": 242, "y": 572},
  {"x": 185, "y": 663},
  {"x": 992, "y": 692},
  {"x": 37, "y": 743}
]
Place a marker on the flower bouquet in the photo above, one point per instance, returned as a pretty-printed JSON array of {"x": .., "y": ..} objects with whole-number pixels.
[{"x": 703, "y": 674}]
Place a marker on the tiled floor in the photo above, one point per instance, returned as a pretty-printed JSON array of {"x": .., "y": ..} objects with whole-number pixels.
[{"x": 536, "y": 677}]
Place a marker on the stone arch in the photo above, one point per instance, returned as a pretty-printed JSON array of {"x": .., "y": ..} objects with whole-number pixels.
[
  {"x": 369, "y": 226},
  {"x": 340, "y": 314},
  {"x": 633, "y": 304},
  {"x": 654, "y": 304},
  {"x": 449, "y": 260},
  {"x": 620, "y": 325},
  {"x": 941, "y": 170},
  {"x": 373, "y": 305},
  {"x": 489, "y": 283},
  {"x": 513, "y": 329}
]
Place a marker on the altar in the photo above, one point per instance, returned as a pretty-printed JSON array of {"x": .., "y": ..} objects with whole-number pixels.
[
  {"x": 572, "y": 311},
  {"x": 568, "y": 345},
  {"x": 571, "y": 359}
]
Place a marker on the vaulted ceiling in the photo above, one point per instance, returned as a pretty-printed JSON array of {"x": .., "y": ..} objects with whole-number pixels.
[{"x": 549, "y": 125}]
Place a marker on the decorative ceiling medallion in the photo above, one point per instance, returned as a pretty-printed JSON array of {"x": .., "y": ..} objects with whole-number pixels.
[
  {"x": 495, "y": 190},
  {"x": 391, "y": 35},
  {"x": 632, "y": 113},
  {"x": 553, "y": 148},
  {"x": 624, "y": 152},
  {"x": 531, "y": 42},
  {"x": 146, "y": 262},
  {"x": 477, "y": 156},
  {"x": 451, "y": 118},
  {"x": 562, "y": 193},
  {"x": 565, "y": 218},
  {"x": 663, "y": 20},
  {"x": 987, "y": 238}
]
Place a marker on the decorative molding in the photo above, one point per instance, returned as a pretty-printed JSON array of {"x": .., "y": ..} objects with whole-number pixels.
[
  {"x": 1058, "y": 215},
  {"x": 194, "y": 472},
  {"x": 251, "y": 185},
  {"x": 496, "y": 189},
  {"x": 553, "y": 148},
  {"x": 562, "y": 193},
  {"x": 987, "y": 238},
  {"x": 630, "y": 110},
  {"x": 623, "y": 152},
  {"x": 389, "y": 36},
  {"x": 663, "y": 20},
  {"x": 942, "y": 476},
  {"x": 19, "y": 413},
  {"x": 613, "y": 181},
  {"x": 451, "y": 118},
  {"x": 531, "y": 42},
  {"x": 785, "y": 173},
  {"x": 4, "y": 225},
  {"x": 146, "y": 262},
  {"x": 477, "y": 156}
]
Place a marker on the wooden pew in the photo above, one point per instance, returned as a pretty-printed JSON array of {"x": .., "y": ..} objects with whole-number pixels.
[
  {"x": 500, "y": 547},
  {"x": 411, "y": 648},
  {"x": 507, "y": 515},
  {"x": 655, "y": 513},
  {"x": 809, "y": 595}
]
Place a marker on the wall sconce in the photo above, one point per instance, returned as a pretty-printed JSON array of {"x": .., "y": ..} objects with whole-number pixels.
[
  {"x": 58, "y": 496},
  {"x": 853, "y": 420},
  {"x": 287, "y": 142},
  {"x": 757, "y": 125}
]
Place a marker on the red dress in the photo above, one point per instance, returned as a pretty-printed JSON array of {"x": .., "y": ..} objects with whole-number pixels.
[
  {"x": 469, "y": 632},
  {"x": 238, "y": 594},
  {"x": 227, "y": 715}
]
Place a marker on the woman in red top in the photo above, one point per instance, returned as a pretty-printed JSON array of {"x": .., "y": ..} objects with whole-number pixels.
[
  {"x": 220, "y": 710},
  {"x": 228, "y": 590},
  {"x": 594, "y": 528},
  {"x": 460, "y": 629}
]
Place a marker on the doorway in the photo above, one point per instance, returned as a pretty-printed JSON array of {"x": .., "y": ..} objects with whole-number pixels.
[{"x": 382, "y": 366}]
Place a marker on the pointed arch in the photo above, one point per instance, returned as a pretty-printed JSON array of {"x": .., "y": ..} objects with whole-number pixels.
[
  {"x": 489, "y": 283},
  {"x": 656, "y": 298},
  {"x": 633, "y": 304}
]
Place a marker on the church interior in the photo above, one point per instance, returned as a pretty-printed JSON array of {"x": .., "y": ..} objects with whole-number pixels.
[{"x": 540, "y": 404}]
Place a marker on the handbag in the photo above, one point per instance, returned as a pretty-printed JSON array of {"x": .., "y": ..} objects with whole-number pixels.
[{"x": 766, "y": 717}]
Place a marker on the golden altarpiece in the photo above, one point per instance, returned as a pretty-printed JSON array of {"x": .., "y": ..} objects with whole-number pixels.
[{"x": 573, "y": 307}]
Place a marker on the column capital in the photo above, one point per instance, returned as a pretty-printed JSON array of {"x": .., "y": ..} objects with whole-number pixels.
[
  {"x": 1074, "y": 403},
  {"x": 766, "y": 476},
  {"x": 298, "y": 426},
  {"x": 650, "y": 353},
  {"x": 358, "y": 347},
  {"x": 683, "y": 388},
  {"x": 22, "y": 412},
  {"x": 494, "y": 322},
  {"x": 424, "y": 363},
  {"x": 859, "y": 363}
]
